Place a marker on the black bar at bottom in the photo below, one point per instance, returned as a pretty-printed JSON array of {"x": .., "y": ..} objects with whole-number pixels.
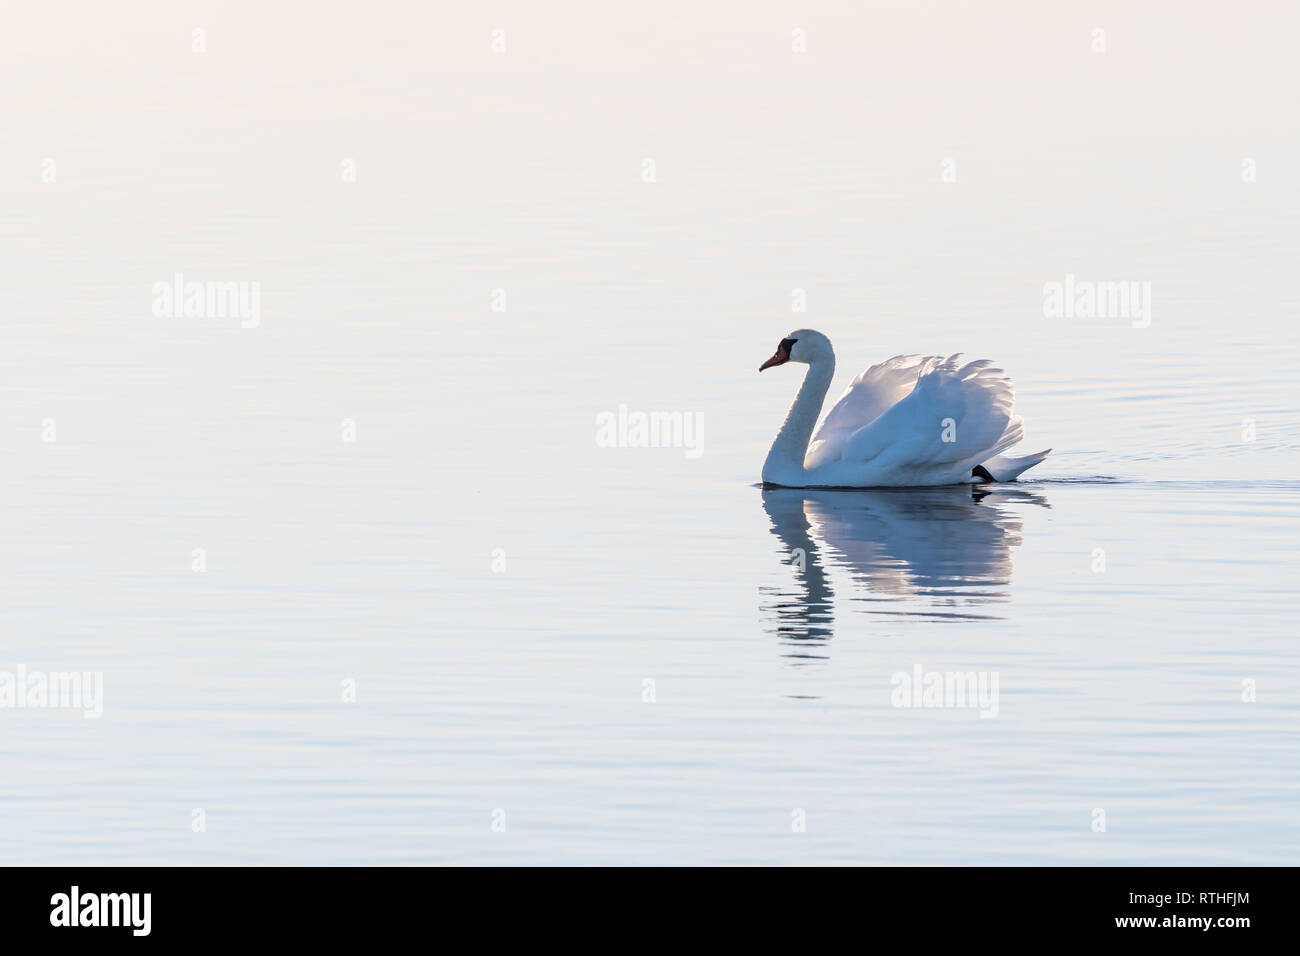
[{"x": 336, "y": 906}]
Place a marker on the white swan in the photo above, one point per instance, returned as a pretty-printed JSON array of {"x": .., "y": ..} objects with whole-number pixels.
[{"x": 911, "y": 420}]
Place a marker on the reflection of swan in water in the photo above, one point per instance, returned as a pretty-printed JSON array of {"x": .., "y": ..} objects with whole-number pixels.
[{"x": 938, "y": 553}]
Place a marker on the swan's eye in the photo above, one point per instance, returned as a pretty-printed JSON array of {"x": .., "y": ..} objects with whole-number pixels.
[{"x": 788, "y": 344}]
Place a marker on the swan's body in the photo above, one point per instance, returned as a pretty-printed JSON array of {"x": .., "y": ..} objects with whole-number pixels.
[{"x": 911, "y": 420}]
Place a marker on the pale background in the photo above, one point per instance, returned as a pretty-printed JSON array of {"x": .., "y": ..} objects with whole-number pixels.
[{"x": 521, "y": 689}]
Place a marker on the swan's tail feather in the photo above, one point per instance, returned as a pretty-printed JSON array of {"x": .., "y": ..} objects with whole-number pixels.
[{"x": 1005, "y": 468}]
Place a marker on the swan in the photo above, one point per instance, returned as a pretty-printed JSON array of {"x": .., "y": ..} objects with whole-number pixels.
[{"x": 912, "y": 420}]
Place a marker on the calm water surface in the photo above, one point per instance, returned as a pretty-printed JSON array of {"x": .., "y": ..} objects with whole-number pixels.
[{"x": 507, "y": 595}]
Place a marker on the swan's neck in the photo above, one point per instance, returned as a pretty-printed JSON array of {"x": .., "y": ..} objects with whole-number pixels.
[{"x": 784, "y": 465}]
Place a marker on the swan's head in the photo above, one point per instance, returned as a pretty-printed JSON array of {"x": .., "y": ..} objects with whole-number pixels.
[{"x": 802, "y": 345}]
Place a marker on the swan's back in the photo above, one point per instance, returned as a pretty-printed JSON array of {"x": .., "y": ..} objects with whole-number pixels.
[
  {"x": 868, "y": 396},
  {"x": 918, "y": 420}
]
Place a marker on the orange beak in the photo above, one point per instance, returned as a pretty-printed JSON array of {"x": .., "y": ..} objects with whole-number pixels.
[{"x": 780, "y": 357}]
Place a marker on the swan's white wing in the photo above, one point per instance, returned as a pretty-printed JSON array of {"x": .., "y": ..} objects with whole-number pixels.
[
  {"x": 956, "y": 417},
  {"x": 866, "y": 399}
]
